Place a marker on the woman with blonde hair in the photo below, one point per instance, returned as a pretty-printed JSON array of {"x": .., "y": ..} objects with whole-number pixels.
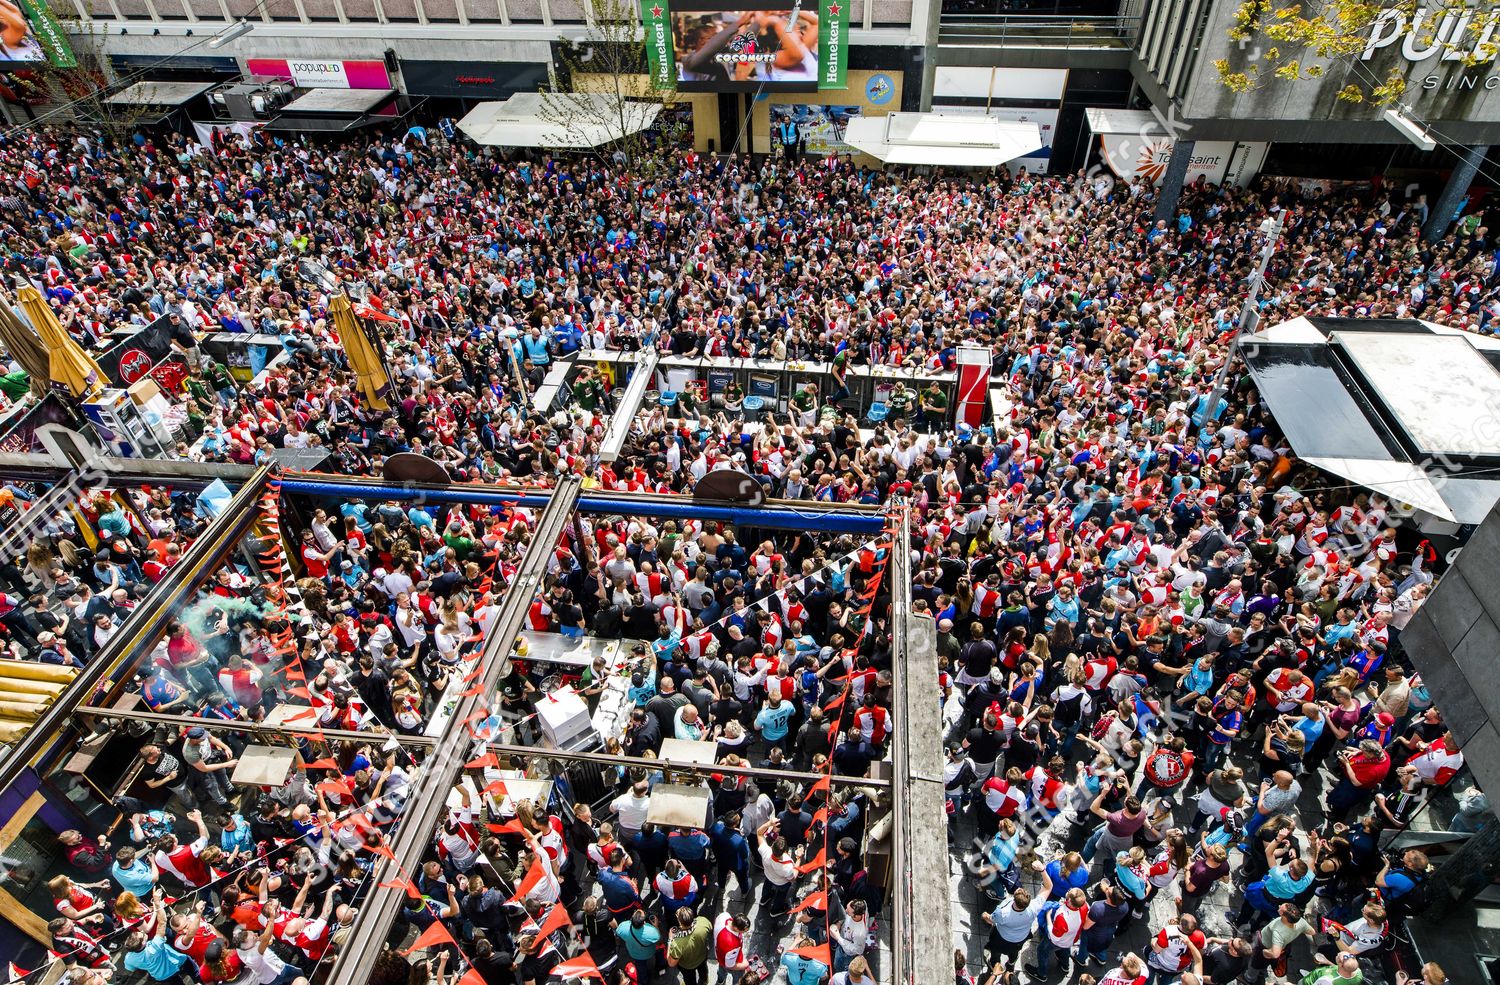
[{"x": 1041, "y": 650}]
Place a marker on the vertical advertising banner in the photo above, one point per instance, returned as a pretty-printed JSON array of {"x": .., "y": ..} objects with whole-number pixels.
[
  {"x": 833, "y": 44},
  {"x": 657, "y": 18}
]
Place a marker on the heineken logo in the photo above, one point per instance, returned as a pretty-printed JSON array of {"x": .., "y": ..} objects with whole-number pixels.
[
  {"x": 831, "y": 66},
  {"x": 659, "y": 43}
]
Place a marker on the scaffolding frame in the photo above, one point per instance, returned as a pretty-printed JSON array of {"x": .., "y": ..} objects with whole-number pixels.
[{"x": 921, "y": 940}]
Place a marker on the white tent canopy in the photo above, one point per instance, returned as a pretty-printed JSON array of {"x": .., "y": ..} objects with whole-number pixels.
[
  {"x": 159, "y": 93},
  {"x": 567, "y": 120},
  {"x": 955, "y": 139}
]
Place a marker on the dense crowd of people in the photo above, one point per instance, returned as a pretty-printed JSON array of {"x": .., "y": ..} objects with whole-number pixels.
[{"x": 1180, "y": 729}]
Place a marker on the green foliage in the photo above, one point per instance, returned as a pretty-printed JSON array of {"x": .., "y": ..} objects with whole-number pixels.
[{"x": 1337, "y": 31}]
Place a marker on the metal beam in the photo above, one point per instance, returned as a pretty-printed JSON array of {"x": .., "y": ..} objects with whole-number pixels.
[
  {"x": 922, "y": 934},
  {"x": 630, "y": 402},
  {"x": 782, "y": 514},
  {"x": 428, "y": 801},
  {"x": 498, "y": 748},
  {"x": 257, "y": 729},
  {"x": 141, "y": 630}
]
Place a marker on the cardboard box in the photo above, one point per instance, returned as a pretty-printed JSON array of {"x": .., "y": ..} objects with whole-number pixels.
[{"x": 142, "y": 391}]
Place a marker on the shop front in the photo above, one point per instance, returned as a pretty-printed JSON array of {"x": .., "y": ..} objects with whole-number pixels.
[
  {"x": 455, "y": 86},
  {"x": 175, "y": 68},
  {"x": 821, "y": 118}
]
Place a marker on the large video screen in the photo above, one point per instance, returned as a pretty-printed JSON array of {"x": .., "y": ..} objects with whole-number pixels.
[
  {"x": 18, "y": 41},
  {"x": 773, "y": 46}
]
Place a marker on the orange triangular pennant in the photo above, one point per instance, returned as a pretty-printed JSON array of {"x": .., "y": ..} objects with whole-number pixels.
[
  {"x": 817, "y": 952},
  {"x": 512, "y": 827},
  {"x": 431, "y": 937},
  {"x": 404, "y": 884},
  {"x": 556, "y": 920},
  {"x": 533, "y": 876},
  {"x": 818, "y": 861},
  {"x": 582, "y": 966},
  {"x": 817, "y": 900}
]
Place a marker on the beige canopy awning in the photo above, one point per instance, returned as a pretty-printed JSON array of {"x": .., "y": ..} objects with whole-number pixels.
[
  {"x": 964, "y": 140},
  {"x": 564, "y": 120}
]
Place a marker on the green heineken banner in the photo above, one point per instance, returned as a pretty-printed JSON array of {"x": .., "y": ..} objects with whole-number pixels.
[
  {"x": 47, "y": 33},
  {"x": 833, "y": 44},
  {"x": 657, "y": 19}
]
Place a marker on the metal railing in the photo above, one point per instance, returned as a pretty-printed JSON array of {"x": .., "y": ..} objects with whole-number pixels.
[{"x": 1036, "y": 30}]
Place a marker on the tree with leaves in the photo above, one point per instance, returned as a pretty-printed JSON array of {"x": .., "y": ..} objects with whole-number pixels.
[
  {"x": 1299, "y": 41},
  {"x": 84, "y": 89},
  {"x": 608, "y": 64}
]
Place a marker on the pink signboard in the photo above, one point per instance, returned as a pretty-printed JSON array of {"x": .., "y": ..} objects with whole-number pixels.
[{"x": 313, "y": 74}]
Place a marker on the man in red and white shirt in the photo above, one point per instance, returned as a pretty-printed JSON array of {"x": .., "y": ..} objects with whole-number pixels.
[
  {"x": 729, "y": 943},
  {"x": 1439, "y": 762},
  {"x": 182, "y": 859},
  {"x": 1004, "y": 797},
  {"x": 871, "y": 722},
  {"x": 1287, "y": 688},
  {"x": 1063, "y": 929},
  {"x": 1169, "y": 949}
]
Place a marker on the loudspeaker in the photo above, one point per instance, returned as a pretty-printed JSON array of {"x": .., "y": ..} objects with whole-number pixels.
[{"x": 391, "y": 65}]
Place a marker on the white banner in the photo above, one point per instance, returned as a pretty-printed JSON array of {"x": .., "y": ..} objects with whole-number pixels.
[{"x": 1215, "y": 161}]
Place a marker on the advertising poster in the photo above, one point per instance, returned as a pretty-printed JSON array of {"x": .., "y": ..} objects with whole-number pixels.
[
  {"x": 772, "y": 47},
  {"x": 1217, "y": 162},
  {"x": 29, "y": 33},
  {"x": 822, "y": 127}
]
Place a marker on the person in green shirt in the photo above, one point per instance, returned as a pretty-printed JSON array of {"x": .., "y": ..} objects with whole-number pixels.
[
  {"x": 687, "y": 403},
  {"x": 1278, "y": 936},
  {"x": 1346, "y": 972},
  {"x": 803, "y": 402},
  {"x": 687, "y": 948},
  {"x": 15, "y": 385},
  {"x": 587, "y": 390},
  {"x": 934, "y": 407},
  {"x": 457, "y": 537}
]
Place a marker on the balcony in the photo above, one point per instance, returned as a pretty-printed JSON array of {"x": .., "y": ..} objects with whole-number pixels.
[{"x": 1009, "y": 23}]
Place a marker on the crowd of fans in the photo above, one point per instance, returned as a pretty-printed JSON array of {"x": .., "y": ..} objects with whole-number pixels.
[{"x": 1180, "y": 729}]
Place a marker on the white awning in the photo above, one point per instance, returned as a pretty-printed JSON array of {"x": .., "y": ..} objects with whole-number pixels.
[
  {"x": 572, "y": 120},
  {"x": 952, "y": 139},
  {"x": 1402, "y": 482},
  {"x": 159, "y": 93},
  {"x": 1122, "y": 122},
  {"x": 338, "y": 101}
]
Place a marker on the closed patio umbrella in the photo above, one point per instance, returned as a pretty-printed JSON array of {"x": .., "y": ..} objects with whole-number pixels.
[
  {"x": 363, "y": 358},
  {"x": 68, "y": 366},
  {"x": 24, "y": 347}
]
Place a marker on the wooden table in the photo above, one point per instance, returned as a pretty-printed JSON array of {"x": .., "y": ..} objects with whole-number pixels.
[
  {"x": 263, "y": 766},
  {"x": 678, "y": 806},
  {"x": 698, "y": 753}
]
